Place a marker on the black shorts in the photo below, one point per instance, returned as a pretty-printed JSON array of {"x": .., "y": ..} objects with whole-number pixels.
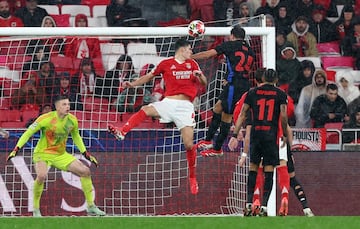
[
  {"x": 267, "y": 150},
  {"x": 229, "y": 97}
]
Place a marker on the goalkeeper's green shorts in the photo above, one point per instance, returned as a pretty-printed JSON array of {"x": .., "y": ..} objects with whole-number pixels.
[{"x": 59, "y": 161}]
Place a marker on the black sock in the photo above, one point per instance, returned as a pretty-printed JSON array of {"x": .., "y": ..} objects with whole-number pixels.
[
  {"x": 251, "y": 186},
  {"x": 224, "y": 132},
  {"x": 299, "y": 192},
  {"x": 267, "y": 187},
  {"x": 214, "y": 125}
]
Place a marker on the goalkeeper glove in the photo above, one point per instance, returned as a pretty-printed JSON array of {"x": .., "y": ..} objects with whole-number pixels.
[
  {"x": 91, "y": 158},
  {"x": 12, "y": 153}
]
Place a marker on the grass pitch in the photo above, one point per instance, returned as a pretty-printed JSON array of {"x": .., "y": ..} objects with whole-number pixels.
[{"x": 158, "y": 222}]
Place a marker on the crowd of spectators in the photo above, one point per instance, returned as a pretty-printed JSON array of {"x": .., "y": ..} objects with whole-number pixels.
[{"x": 301, "y": 25}]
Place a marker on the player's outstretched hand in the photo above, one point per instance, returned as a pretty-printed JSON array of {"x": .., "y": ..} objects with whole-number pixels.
[
  {"x": 91, "y": 158},
  {"x": 127, "y": 84},
  {"x": 233, "y": 143},
  {"x": 12, "y": 153},
  {"x": 242, "y": 161},
  {"x": 284, "y": 141},
  {"x": 197, "y": 73}
]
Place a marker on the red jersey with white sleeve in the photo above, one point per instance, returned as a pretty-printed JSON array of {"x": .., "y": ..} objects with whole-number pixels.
[
  {"x": 11, "y": 21},
  {"x": 178, "y": 77}
]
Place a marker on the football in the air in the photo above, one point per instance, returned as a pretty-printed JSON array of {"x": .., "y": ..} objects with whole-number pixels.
[{"x": 196, "y": 28}]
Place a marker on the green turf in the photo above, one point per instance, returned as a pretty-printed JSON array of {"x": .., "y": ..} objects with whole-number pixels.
[{"x": 336, "y": 222}]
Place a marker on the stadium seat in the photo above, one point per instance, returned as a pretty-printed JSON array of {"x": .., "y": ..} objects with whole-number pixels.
[
  {"x": 95, "y": 2},
  {"x": 99, "y": 10},
  {"x": 9, "y": 74},
  {"x": 337, "y": 62},
  {"x": 62, "y": 63},
  {"x": 94, "y": 22},
  {"x": 141, "y": 48},
  {"x": 112, "y": 48},
  {"x": 29, "y": 114},
  {"x": 330, "y": 75},
  {"x": 141, "y": 60},
  {"x": 5, "y": 103},
  {"x": 328, "y": 48},
  {"x": 62, "y": 20},
  {"x": 109, "y": 60},
  {"x": 51, "y": 9},
  {"x": 95, "y": 104},
  {"x": 333, "y": 131},
  {"x": 13, "y": 124},
  {"x": 73, "y": 10}
]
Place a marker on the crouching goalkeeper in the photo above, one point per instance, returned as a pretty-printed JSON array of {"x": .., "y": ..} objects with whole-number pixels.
[{"x": 50, "y": 150}]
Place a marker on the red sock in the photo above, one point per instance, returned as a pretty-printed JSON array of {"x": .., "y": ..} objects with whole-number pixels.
[
  {"x": 259, "y": 184},
  {"x": 134, "y": 121},
  {"x": 191, "y": 158},
  {"x": 284, "y": 181}
]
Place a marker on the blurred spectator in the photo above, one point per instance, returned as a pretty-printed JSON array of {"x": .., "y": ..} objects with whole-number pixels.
[
  {"x": 328, "y": 108},
  {"x": 82, "y": 47},
  {"x": 47, "y": 77},
  {"x": 43, "y": 110},
  {"x": 16, "y": 4},
  {"x": 343, "y": 24},
  {"x": 354, "y": 123},
  {"x": 347, "y": 90},
  {"x": 226, "y": 11},
  {"x": 85, "y": 78},
  {"x": 281, "y": 43},
  {"x": 37, "y": 58},
  {"x": 30, "y": 92},
  {"x": 202, "y": 10},
  {"x": 6, "y": 17},
  {"x": 283, "y": 20},
  {"x": 352, "y": 106},
  {"x": 119, "y": 11},
  {"x": 304, "y": 8},
  {"x": 63, "y": 87},
  {"x": 304, "y": 78},
  {"x": 323, "y": 29},
  {"x": 271, "y": 7},
  {"x": 304, "y": 42},
  {"x": 109, "y": 85},
  {"x": 350, "y": 45},
  {"x": 288, "y": 67},
  {"x": 246, "y": 16},
  {"x": 31, "y": 15},
  {"x": 307, "y": 97}
]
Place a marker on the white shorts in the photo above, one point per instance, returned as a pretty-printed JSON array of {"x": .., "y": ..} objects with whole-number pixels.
[
  {"x": 282, "y": 151},
  {"x": 181, "y": 112}
]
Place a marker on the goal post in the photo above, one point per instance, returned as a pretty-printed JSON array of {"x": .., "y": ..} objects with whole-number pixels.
[{"x": 146, "y": 174}]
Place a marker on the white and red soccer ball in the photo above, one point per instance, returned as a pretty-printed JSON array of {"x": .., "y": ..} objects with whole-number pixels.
[{"x": 196, "y": 28}]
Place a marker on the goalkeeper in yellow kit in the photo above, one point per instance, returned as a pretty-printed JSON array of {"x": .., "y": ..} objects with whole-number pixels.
[{"x": 55, "y": 127}]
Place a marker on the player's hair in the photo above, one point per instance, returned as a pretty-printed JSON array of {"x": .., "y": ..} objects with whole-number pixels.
[
  {"x": 238, "y": 32},
  {"x": 259, "y": 74},
  {"x": 270, "y": 76},
  {"x": 181, "y": 43},
  {"x": 331, "y": 86},
  {"x": 60, "y": 97}
]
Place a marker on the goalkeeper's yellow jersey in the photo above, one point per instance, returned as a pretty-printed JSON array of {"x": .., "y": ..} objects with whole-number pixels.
[{"x": 54, "y": 133}]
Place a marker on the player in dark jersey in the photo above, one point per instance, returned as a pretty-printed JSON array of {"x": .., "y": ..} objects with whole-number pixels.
[
  {"x": 239, "y": 60},
  {"x": 268, "y": 105}
]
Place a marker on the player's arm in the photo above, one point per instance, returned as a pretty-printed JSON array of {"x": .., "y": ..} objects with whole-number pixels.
[
  {"x": 140, "y": 81},
  {"x": 284, "y": 122},
  {"x": 289, "y": 135},
  {"x": 204, "y": 55},
  {"x": 33, "y": 128},
  {"x": 233, "y": 143},
  {"x": 200, "y": 75},
  {"x": 78, "y": 141},
  {"x": 246, "y": 146},
  {"x": 4, "y": 133}
]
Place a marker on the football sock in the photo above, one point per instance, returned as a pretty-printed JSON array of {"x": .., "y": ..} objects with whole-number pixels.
[
  {"x": 251, "y": 186},
  {"x": 214, "y": 125},
  {"x": 259, "y": 184},
  {"x": 134, "y": 120},
  {"x": 37, "y": 191},
  {"x": 191, "y": 158},
  {"x": 87, "y": 187},
  {"x": 299, "y": 192},
  {"x": 284, "y": 181},
  {"x": 267, "y": 187},
  {"x": 224, "y": 132}
]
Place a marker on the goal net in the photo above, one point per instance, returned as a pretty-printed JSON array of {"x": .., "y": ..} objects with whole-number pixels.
[{"x": 146, "y": 174}]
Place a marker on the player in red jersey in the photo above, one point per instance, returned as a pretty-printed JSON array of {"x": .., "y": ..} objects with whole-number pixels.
[
  {"x": 182, "y": 76},
  {"x": 6, "y": 19}
]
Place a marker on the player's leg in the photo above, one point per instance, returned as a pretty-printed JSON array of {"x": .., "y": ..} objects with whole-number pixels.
[
  {"x": 297, "y": 187},
  {"x": 68, "y": 162},
  {"x": 284, "y": 179},
  {"x": 187, "y": 134},
  {"x": 134, "y": 120},
  {"x": 258, "y": 190},
  {"x": 213, "y": 127},
  {"x": 41, "y": 170}
]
